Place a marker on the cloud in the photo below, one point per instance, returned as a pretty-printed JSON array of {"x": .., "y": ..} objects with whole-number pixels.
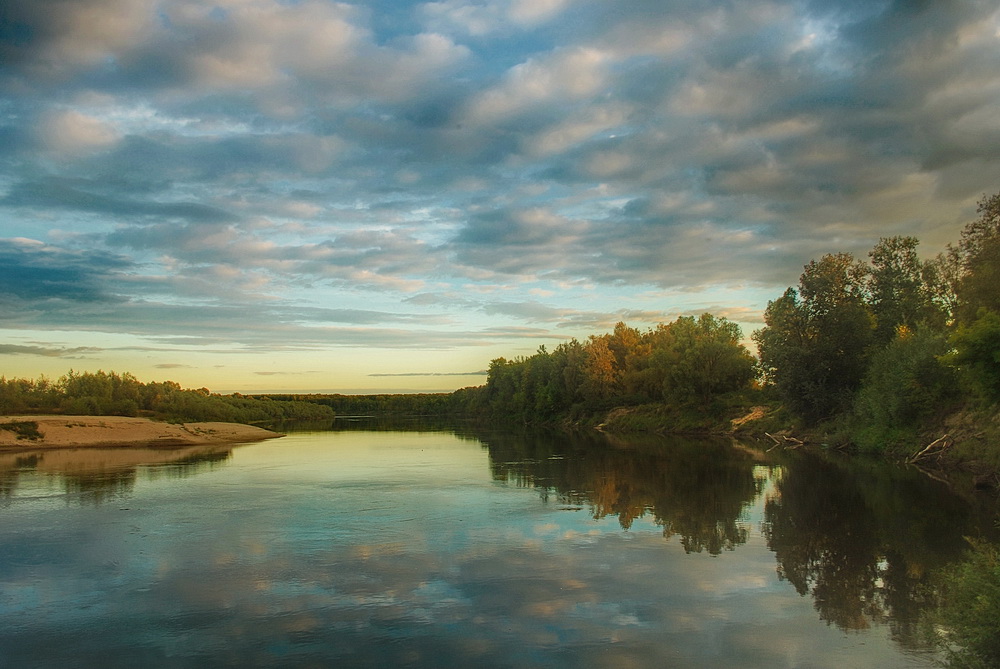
[
  {"x": 540, "y": 87},
  {"x": 46, "y": 351},
  {"x": 434, "y": 167},
  {"x": 479, "y": 20},
  {"x": 73, "y": 132},
  {"x": 81, "y": 195},
  {"x": 53, "y": 39},
  {"x": 32, "y": 270}
]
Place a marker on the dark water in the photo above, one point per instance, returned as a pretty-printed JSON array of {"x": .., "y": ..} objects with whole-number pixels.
[{"x": 453, "y": 549}]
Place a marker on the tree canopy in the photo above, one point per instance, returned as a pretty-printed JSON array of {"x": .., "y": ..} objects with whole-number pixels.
[{"x": 689, "y": 361}]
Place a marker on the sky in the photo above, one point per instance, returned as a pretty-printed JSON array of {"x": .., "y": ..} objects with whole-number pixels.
[{"x": 383, "y": 196}]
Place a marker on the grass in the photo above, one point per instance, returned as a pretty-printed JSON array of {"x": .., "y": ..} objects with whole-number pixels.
[{"x": 24, "y": 429}]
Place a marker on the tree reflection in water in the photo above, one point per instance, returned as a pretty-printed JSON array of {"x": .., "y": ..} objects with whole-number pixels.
[
  {"x": 100, "y": 475},
  {"x": 697, "y": 490},
  {"x": 861, "y": 538}
]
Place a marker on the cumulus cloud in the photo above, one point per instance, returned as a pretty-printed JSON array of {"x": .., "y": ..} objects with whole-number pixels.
[
  {"x": 479, "y": 19},
  {"x": 540, "y": 86},
  {"x": 54, "y": 39},
  {"x": 72, "y": 132},
  {"x": 326, "y": 155}
]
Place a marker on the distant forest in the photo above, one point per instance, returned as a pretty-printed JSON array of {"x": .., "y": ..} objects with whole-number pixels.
[
  {"x": 112, "y": 394},
  {"x": 877, "y": 352}
]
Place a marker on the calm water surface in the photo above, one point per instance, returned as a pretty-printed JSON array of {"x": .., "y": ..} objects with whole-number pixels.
[{"x": 451, "y": 549}]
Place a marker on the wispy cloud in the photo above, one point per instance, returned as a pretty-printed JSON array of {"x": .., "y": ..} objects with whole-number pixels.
[{"x": 47, "y": 352}]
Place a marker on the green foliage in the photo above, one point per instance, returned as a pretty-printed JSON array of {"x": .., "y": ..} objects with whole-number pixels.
[
  {"x": 979, "y": 255},
  {"x": 464, "y": 400},
  {"x": 815, "y": 349},
  {"x": 883, "y": 352},
  {"x": 27, "y": 395},
  {"x": 970, "y": 609},
  {"x": 24, "y": 429},
  {"x": 676, "y": 419},
  {"x": 901, "y": 288},
  {"x": 905, "y": 387},
  {"x": 100, "y": 394},
  {"x": 111, "y": 394},
  {"x": 691, "y": 361},
  {"x": 705, "y": 359},
  {"x": 977, "y": 353}
]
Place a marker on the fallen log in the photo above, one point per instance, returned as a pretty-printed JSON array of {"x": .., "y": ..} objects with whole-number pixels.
[
  {"x": 785, "y": 442},
  {"x": 936, "y": 447}
]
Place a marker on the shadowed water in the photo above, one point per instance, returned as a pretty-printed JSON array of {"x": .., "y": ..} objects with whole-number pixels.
[{"x": 452, "y": 549}]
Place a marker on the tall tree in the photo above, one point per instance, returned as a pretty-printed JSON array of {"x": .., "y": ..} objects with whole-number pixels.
[
  {"x": 815, "y": 343},
  {"x": 602, "y": 374},
  {"x": 979, "y": 250},
  {"x": 898, "y": 291},
  {"x": 708, "y": 359}
]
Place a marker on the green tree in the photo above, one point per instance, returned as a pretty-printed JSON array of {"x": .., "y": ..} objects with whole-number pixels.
[
  {"x": 571, "y": 363},
  {"x": 977, "y": 353},
  {"x": 979, "y": 251},
  {"x": 905, "y": 386},
  {"x": 898, "y": 290},
  {"x": 708, "y": 359},
  {"x": 815, "y": 344}
]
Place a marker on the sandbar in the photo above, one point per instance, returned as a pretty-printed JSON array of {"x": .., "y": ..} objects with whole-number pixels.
[{"x": 104, "y": 431}]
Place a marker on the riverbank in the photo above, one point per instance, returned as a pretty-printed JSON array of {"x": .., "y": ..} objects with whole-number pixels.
[{"x": 24, "y": 432}]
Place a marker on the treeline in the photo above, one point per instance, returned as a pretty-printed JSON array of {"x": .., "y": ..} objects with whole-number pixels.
[
  {"x": 877, "y": 351},
  {"x": 111, "y": 394},
  {"x": 689, "y": 362},
  {"x": 885, "y": 349},
  {"x": 398, "y": 404}
]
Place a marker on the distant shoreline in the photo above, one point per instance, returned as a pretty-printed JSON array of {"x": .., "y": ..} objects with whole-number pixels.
[{"x": 33, "y": 432}]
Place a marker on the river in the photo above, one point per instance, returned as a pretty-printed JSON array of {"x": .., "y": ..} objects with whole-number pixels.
[{"x": 434, "y": 547}]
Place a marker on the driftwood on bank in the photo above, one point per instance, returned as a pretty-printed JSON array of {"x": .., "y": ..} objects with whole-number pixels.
[
  {"x": 785, "y": 441},
  {"x": 936, "y": 447}
]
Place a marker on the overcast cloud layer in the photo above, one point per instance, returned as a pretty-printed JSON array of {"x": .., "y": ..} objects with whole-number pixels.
[{"x": 329, "y": 195}]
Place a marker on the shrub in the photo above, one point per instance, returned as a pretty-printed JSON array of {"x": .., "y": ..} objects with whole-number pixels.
[
  {"x": 970, "y": 609},
  {"x": 905, "y": 386}
]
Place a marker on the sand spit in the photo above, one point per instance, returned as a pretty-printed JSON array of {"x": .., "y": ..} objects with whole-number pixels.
[{"x": 83, "y": 431}]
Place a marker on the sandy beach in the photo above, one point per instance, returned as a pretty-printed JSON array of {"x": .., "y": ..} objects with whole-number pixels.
[{"x": 105, "y": 431}]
